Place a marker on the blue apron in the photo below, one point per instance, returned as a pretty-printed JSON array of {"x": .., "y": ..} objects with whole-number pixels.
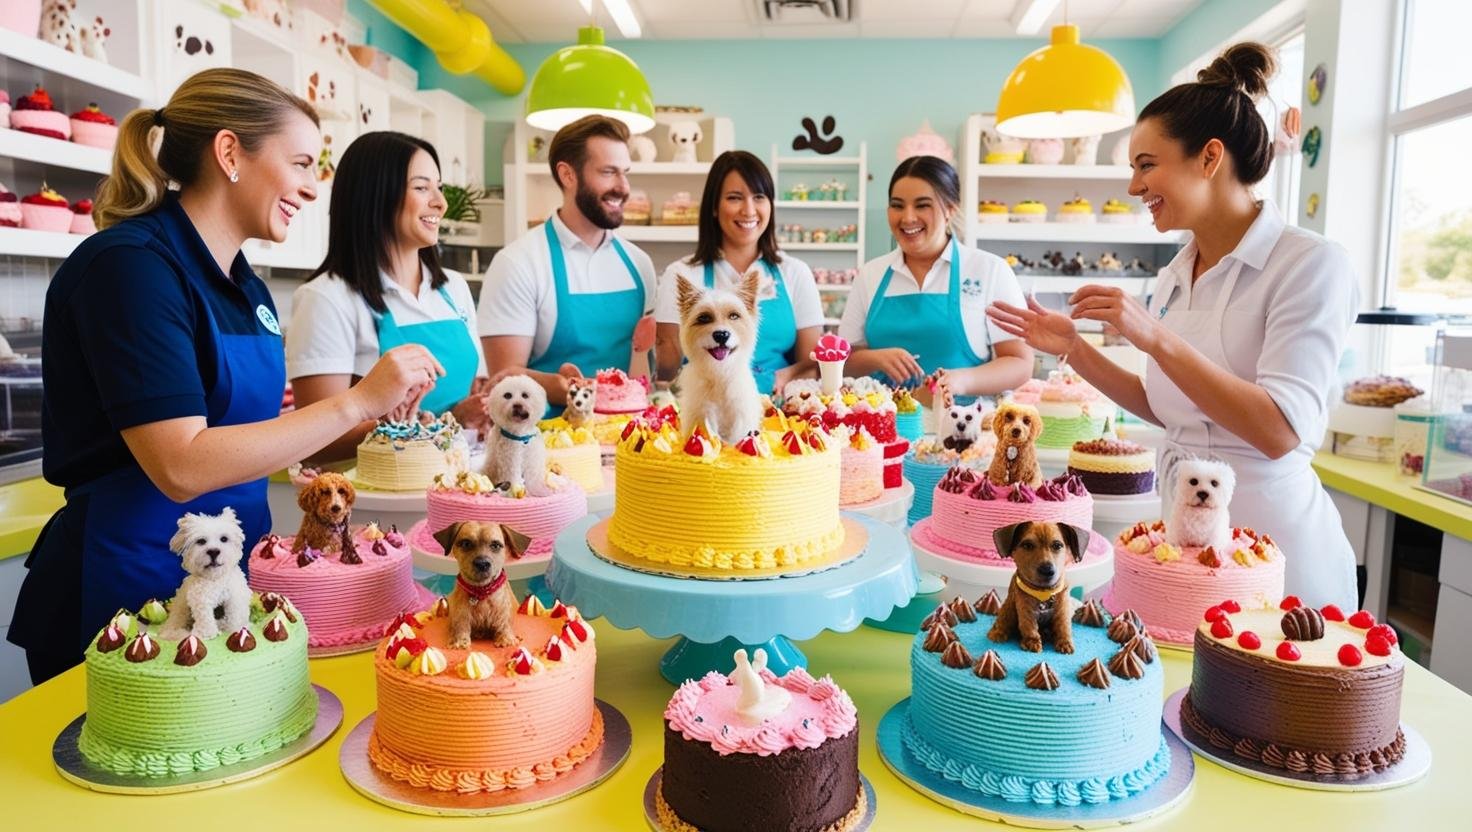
[
  {"x": 925, "y": 323},
  {"x": 108, "y": 547},
  {"x": 777, "y": 330},
  {"x": 595, "y": 331},
  {"x": 448, "y": 341}
]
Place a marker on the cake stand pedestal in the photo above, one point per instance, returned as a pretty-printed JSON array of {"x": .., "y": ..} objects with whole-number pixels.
[
  {"x": 1053, "y": 461},
  {"x": 715, "y": 617},
  {"x": 892, "y": 507},
  {"x": 970, "y": 579}
]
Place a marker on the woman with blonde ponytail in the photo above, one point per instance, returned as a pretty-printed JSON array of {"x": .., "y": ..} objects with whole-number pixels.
[{"x": 164, "y": 363}]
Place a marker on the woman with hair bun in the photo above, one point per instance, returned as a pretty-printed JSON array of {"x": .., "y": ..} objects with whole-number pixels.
[
  {"x": 1245, "y": 327},
  {"x": 164, "y": 364}
]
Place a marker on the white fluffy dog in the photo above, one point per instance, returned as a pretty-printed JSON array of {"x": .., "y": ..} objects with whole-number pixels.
[
  {"x": 960, "y": 425},
  {"x": 1198, "y": 512},
  {"x": 214, "y": 598},
  {"x": 515, "y": 455},
  {"x": 717, "y": 333}
]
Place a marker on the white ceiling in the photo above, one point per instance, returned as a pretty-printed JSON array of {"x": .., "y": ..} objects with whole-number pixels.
[{"x": 556, "y": 21}]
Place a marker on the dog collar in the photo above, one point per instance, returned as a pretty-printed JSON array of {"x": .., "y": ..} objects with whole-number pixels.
[
  {"x": 522, "y": 439},
  {"x": 1043, "y": 596},
  {"x": 481, "y": 593}
]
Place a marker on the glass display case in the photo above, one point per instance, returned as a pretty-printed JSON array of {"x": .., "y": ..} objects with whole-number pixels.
[{"x": 1448, "y": 468}]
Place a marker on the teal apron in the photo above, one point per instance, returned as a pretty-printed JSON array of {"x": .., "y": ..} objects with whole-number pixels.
[
  {"x": 777, "y": 332},
  {"x": 595, "y": 331},
  {"x": 927, "y": 324},
  {"x": 448, "y": 341}
]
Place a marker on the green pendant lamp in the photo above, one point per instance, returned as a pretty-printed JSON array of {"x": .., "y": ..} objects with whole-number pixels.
[
  {"x": 589, "y": 79},
  {"x": 1064, "y": 90}
]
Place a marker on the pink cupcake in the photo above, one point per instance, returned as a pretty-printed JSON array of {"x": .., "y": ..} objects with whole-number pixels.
[
  {"x": 45, "y": 210},
  {"x": 82, "y": 217},
  {"x": 33, "y": 114},
  {"x": 9, "y": 208},
  {"x": 94, "y": 128}
]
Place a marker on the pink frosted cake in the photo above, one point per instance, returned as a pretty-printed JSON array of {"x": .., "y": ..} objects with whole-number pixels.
[
  {"x": 861, "y": 470},
  {"x": 754, "y": 751},
  {"x": 94, "y": 128},
  {"x": 345, "y": 604},
  {"x": 617, "y": 392},
  {"x": 10, "y": 215},
  {"x": 1170, "y": 587},
  {"x": 966, "y": 508},
  {"x": 33, "y": 114},
  {"x": 1072, "y": 410},
  {"x": 469, "y": 496}
]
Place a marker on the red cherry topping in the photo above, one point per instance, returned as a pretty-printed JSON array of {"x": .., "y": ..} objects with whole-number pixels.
[
  {"x": 1288, "y": 652},
  {"x": 1221, "y": 628},
  {"x": 1248, "y": 640},
  {"x": 1214, "y": 614},
  {"x": 1362, "y": 619},
  {"x": 1230, "y": 606},
  {"x": 629, "y": 429},
  {"x": 1331, "y": 612},
  {"x": 1376, "y": 645},
  {"x": 1289, "y": 603},
  {"x": 1384, "y": 631},
  {"x": 1349, "y": 656}
]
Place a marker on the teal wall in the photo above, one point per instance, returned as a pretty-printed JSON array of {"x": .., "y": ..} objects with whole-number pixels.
[{"x": 1205, "y": 28}]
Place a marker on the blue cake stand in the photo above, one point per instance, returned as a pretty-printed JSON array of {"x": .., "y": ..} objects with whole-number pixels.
[{"x": 714, "y": 618}]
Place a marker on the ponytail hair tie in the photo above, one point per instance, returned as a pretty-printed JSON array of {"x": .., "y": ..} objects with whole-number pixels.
[{"x": 158, "y": 117}]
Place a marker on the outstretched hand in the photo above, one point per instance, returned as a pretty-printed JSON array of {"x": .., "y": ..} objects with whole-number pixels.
[{"x": 1041, "y": 328}]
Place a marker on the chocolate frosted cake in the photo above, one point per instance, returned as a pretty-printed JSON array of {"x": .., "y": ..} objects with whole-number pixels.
[
  {"x": 1304, "y": 690},
  {"x": 1113, "y": 466}
]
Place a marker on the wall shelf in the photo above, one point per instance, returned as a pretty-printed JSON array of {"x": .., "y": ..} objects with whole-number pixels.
[
  {"x": 819, "y": 204},
  {"x": 24, "y": 242},
  {"x": 1117, "y": 173},
  {"x": 58, "y": 61},
  {"x": 660, "y": 233},
  {"x": 54, "y": 153},
  {"x": 1075, "y": 232}
]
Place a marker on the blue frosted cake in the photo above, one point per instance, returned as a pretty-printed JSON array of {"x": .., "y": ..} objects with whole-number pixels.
[
  {"x": 928, "y": 461},
  {"x": 1046, "y": 728},
  {"x": 909, "y": 417}
]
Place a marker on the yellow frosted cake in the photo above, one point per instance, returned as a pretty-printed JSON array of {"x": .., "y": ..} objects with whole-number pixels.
[
  {"x": 770, "y": 500},
  {"x": 574, "y": 453}
]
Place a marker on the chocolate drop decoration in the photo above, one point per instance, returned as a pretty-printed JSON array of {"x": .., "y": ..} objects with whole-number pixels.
[
  {"x": 1041, "y": 677},
  {"x": 1094, "y": 675},
  {"x": 1303, "y": 624},
  {"x": 1091, "y": 614},
  {"x": 940, "y": 615},
  {"x": 380, "y": 549},
  {"x": 990, "y": 667},
  {"x": 190, "y": 653},
  {"x": 241, "y": 641},
  {"x": 1142, "y": 647},
  {"x": 989, "y": 604},
  {"x": 143, "y": 648},
  {"x": 111, "y": 639},
  {"x": 275, "y": 630},
  {"x": 350, "y": 556},
  {"x": 955, "y": 656},
  {"x": 1126, "y": 665},
  {"x": 307, "y": 556},
  {"x": 938, "y": 638},
  {"x": 271, "y": 600},
  {"x": 963, "y": 611},
  {"x": 1208, "y": 557},
  {"x": 1121, "y": 630},
  {"x": 1135, "y": 619}
]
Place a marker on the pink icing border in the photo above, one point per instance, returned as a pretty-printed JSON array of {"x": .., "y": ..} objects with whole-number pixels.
[
  {"x": 1099, "y": 547},
  {"x": 421, "y": 538},
  {"x": 829, "y": 713}
]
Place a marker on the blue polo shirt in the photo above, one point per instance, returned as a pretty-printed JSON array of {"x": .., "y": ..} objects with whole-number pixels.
[{"x": 126, "y": 339}]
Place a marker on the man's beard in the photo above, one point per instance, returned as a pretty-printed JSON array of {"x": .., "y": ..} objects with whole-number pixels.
[{"x": 591, "y": 205}]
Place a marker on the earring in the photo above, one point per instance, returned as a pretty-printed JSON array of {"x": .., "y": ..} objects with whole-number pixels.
[{"x": 234, "y": 176}]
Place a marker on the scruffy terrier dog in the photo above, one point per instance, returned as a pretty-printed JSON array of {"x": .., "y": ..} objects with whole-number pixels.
[
  {"x": 1017, "y": 427},
  {"x": 214, "y": 598},
  {"x": 581, "y": 396},
  {"x": 1038, "y": 607},
  {"x": 327, "y": 507},
  {"x": 482, "y": 602},
  {"x": 515, "y": 456},
  {"x": 960, "y": 425},
  {"x": 718, "y": 332},
  {"x": 1199, "y": 502}
]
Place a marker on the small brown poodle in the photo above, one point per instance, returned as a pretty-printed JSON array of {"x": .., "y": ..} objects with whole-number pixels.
[
  {"x": 327, "y": 506},
  {"x": 1017, "y": 427},
  {"x": 482, "y": 602},
  {"x": 1037, "y": 598}
]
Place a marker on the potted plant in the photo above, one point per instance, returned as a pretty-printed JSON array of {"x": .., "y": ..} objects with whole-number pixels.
[{"x": 461, "y": 216}]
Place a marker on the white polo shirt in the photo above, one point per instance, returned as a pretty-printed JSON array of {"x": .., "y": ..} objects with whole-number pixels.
[
  {"x": 985, "y": 277},
  {"x": 519, "y": 296},
  {"x": 797, "y": 279},
  {"x": 333, "y": 332}
]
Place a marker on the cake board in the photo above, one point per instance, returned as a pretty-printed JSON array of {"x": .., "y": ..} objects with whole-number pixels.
[
  {"x": 426, "y": 597},
  {"x": 368, "y": 781},
  {"x": 892, "y": 507},
  {"x": 971, "y": 579},
  {"x": 1165, "y": 795},
  {"x": 1412, "y": 767},
  {"x": 716, "y": 617},
  {"x": 855, "y": 539},
  {"x": 651, "y": 800},
  {"x": 72, "y": 766}
]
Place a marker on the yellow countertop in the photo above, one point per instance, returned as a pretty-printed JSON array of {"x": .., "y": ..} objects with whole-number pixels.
[
  {"x": 25, "y": 507},
  {"x": 871, "y": 664},
  {"x": 1383, "y": 485}
]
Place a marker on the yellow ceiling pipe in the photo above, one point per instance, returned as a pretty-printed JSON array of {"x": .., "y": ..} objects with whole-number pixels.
[{"x": 460, "y": 40}]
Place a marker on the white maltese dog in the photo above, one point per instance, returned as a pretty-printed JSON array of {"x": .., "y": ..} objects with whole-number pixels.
[
  {"x": 1199, "y": 502},
  {"x": 214, "y": 598},
  {"x": 515, "y": 455},
  {"x": 717, "y": 333},
  {"x": 960, "y": 425}
]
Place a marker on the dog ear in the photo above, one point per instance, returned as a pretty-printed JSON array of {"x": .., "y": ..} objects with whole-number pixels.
[
  {"x": 352, "y": 492},
  {"x": 446, "y": 537},
  {"x": 999, "y": 422},
  {"x": 687, "y": 293},
  {"x": 1076, "y": 538},
  {"x": 515, "y": 541},
  {"x": 228, "y": 514},
  {"x": 1007, "y": 536},
  {"x": 750, "y": 289},
  {"x": 1037, "y": 426},
  {"x": 181, "y": 537},
  {"x": 307, "y": 498}
]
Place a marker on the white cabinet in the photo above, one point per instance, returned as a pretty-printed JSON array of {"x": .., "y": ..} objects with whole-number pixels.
[
  {"x": 373, "y": 103},
  {"x": 457, "y": 132}
]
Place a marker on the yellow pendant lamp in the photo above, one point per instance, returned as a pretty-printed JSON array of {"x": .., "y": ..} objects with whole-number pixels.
[{"x": 1065, "y": 89}]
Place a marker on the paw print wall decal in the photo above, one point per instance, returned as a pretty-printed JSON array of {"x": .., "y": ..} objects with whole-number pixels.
[
  {"x": 825, "y": 141},
  {"x": 191, "y": 45}
]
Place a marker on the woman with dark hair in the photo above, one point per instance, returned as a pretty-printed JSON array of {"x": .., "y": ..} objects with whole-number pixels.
[
  {"x": 381, "y": 286},
  {"x": 736, "y": 236},
  {"x": 1245, "y": 327},
  {"x": 918, "y": 313}
]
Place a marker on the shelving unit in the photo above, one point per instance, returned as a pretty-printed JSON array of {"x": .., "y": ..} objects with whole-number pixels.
[
  {"x": 1074, "y": 232},
  {"x": 852, "y": 170}
]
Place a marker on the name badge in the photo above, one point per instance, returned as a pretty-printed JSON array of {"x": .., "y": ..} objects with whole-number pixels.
[{"x": 268, "y": 319}]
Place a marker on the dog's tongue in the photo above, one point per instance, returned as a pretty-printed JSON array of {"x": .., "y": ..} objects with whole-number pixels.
[{"x": 719, "y": 353}]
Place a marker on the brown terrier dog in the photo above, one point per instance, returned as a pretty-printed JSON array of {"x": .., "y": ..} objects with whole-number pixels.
[
  {"x": 1017, "y": 427},
  {"x": 327, "y": 506},
  {"x": 482, "y": 603},
  {"x": 1037, "y": 599}
]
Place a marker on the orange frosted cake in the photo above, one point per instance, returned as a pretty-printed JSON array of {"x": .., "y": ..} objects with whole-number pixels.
[{"x": 488, "y": 718}]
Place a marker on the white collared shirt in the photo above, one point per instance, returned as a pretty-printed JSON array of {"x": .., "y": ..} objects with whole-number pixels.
[
  {"x": 985, "y": 277},
  {"x": 333, "y": 332},
  {"x": 519, "y": 296},
  {"x": 797, "y": 278},
  {"x": 1285, "y": 324}
]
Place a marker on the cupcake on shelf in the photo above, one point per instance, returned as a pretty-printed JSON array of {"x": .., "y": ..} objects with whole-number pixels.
[
  {"x": 638, "y": 209},
  {"x": 94, "y": 128},
  {"x": 1029, "y": 210},
  {"x": 33, "y": 114},
  {"x": 45, "y": 210},
  {"x": 1077, "y": 209},
  {"x": 992, "y": 211},
  {"x": 680, "y": 209},
  {"x": 4, "y": 107},
  {"x": 1116, "y": 212},
  {"x": 9, "y": 208},
  {"x": 82, "y": 218}
]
